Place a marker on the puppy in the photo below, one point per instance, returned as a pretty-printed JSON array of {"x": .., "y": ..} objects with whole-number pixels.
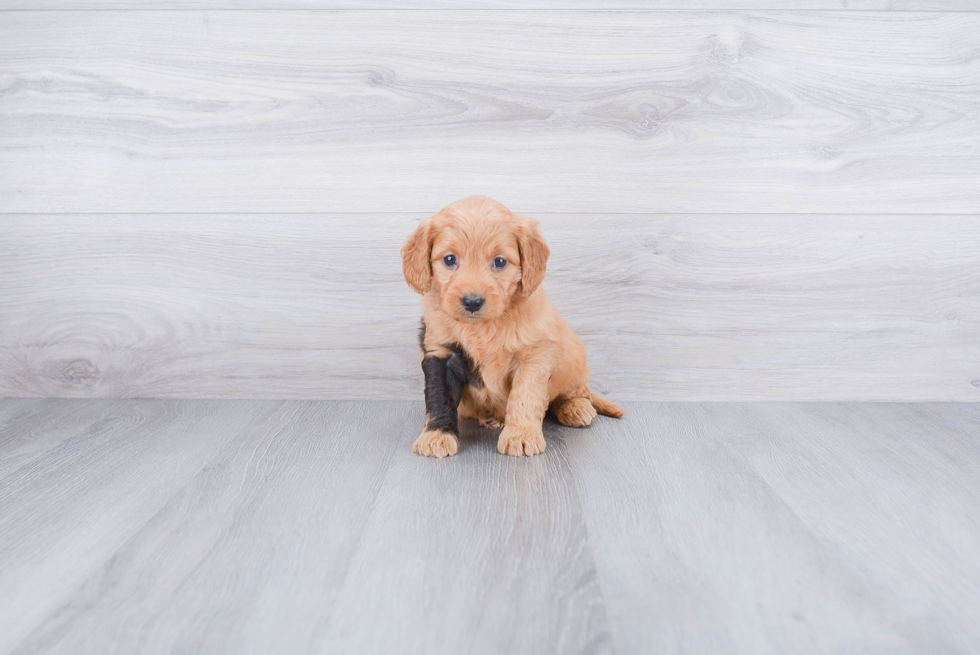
[{"x": 493, "y": 346}]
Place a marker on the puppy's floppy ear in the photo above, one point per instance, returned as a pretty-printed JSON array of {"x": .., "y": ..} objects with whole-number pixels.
[
  {"x": 416, "y": 257},
  {"x": 534, "y": 255}
]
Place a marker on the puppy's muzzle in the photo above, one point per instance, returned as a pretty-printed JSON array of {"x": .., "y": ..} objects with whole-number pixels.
[{"x": 472, "y": 304}]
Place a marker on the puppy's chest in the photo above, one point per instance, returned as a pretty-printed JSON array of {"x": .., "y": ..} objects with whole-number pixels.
[
  {"x": 495, "y": 368},
  {"x": 492, "y": 365}
]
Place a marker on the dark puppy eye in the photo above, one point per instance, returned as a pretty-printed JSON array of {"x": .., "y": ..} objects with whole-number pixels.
[
  {"x": 449, "y": 260},
  {"x": 499, "y": 262}
]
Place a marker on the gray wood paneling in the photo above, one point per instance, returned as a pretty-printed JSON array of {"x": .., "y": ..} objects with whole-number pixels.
[
  {"x": 548, "y": 111},
  {"x": 791, "y": 5},
  {"x": 671, "y": 307},
  {"x": 311, "y": 527}
]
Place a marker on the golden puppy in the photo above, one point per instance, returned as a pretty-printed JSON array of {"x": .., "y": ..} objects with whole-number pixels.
[{"x": 493, "y": 345}]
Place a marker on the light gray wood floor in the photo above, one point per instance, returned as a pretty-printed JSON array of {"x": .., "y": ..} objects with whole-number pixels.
[{"x": 150, "y": 526}]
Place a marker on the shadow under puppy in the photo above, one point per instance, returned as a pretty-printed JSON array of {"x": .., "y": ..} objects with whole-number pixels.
[{"x": 493, "y": 346}]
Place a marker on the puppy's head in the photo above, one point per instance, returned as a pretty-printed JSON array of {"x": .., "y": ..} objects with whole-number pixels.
[{"x": 478, "y": 256}]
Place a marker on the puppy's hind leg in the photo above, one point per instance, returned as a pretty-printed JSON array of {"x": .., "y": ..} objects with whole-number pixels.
[
  {"x": 574, "y": 412},
  {"x": 476, "y": 404}
]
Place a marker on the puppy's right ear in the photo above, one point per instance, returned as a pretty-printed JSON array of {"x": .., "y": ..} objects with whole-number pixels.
[{"x": 416, "y": 257}]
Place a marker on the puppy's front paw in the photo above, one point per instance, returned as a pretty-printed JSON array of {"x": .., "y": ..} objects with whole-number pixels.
[
  {"x": 521, "y": 441},
  {"x": 436, "y": 443}
]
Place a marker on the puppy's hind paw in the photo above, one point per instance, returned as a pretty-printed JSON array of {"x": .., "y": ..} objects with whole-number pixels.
[
  {"x": 436, "y": 443},
  {"x": 491, "y": 423},
  {"x": 575, "y": 412},
  {"x": 521, "y": 441}
]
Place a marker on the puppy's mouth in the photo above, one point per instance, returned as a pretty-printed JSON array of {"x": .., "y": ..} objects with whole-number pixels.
[{"x": 470, "y": 317}]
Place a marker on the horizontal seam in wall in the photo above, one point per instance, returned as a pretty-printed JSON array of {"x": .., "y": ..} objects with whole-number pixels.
[
  {"x": 536, "y": 213},
  {"x": 717, "y": 10}
]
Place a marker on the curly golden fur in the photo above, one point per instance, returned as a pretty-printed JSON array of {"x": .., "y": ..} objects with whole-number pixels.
[{"x": 493, "y": 346}]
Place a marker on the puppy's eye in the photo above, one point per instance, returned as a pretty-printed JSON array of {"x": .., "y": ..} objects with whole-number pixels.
[
  {"x": 499, "y": 262},
  {"x": 449, "y": 260}
]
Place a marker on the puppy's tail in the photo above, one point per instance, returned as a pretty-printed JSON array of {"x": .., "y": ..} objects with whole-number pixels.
[{"x": 606, "y": 407}]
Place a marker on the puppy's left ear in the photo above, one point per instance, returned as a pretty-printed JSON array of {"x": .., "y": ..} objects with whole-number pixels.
[
  {"x": 534, "y": 255},
  {"x": 416, "y": 255}
]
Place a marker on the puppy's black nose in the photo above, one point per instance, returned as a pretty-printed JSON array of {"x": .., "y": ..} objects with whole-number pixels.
[{"x": 472, "y": 303}]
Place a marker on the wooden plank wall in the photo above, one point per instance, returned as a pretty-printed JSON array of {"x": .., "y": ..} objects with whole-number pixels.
[{"x": 776, "y": 203}]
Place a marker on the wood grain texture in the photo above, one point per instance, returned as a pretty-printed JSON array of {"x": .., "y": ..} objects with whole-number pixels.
[
  {"x": 877, "y": 465},
  {"x": 546, "y": 111},
  {"x": 63, "y": 515},
  {"x": 310, "y": 527},
  {"x": 579, "y": 5},
  {"x": 299, "y": 537},
  {"x": 251, "y": 554},
  {"x": 670, "y": 307},
  {"x": 31, "y": 429},
  {"x": 480, "y": 553},
  {"x": 785, "y": 528}
]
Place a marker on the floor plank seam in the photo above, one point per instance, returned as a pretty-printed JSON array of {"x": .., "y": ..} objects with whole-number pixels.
[
  {"x": 587, "y": 538},
  {"x": 356, "y": 543}
]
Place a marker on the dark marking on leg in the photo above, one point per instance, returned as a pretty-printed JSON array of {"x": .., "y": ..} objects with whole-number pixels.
[
  {"x": 465, "y": 365},
  {"x": 445, "y": 379},
  {"x": 444, "y": 382}
]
